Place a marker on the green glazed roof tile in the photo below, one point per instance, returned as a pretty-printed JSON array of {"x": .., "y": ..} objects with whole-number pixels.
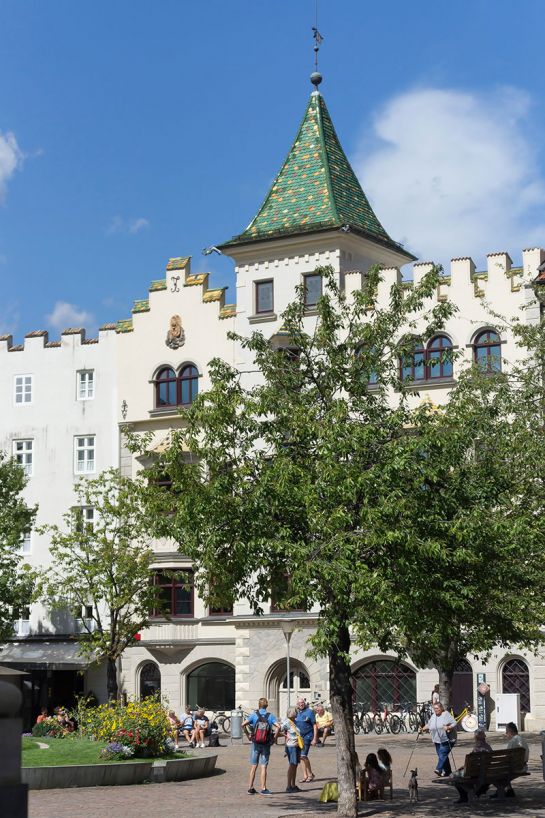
[
  {"x": 158, "y": 284},
  {"x": 316, "y": 188}
]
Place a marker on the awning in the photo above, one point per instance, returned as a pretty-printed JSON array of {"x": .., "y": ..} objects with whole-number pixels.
[{"x": 45, "y": 655}]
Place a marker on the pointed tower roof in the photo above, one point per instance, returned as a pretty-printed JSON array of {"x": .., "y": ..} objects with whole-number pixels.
[{"x": 315, "y": 190}]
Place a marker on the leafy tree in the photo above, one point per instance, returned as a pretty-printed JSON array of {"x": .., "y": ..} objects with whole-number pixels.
[
  {"x": 103, "y": 566},
  {"x": 287, "y": 481},
  {"x": 16, "y": 517},
  {"x": 471, "y": 574}
]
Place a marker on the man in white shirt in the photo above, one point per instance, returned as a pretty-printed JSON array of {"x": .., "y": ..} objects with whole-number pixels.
[{"x": 513, "y": 741}]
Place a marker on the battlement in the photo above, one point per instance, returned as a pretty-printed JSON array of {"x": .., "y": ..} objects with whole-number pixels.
[{"x": 39, "y": 338}]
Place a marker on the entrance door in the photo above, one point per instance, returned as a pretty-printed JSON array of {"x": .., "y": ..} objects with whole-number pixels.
[{"x": 299, "y": 688}]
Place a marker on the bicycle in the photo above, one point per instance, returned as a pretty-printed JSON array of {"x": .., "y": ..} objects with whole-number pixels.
[
  {"x": 222, "y": 720},
  {"x": 361, "y": 720},
  {"x": 464, "y": 714},
  {"x": 385, "y": 720}
]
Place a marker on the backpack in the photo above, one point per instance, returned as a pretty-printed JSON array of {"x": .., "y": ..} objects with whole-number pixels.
[
  {"x": 214, "y": 740},
  {"x": 262, "y": 729}
]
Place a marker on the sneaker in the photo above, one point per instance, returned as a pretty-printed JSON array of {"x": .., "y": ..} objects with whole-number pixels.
[
  {"x": 252, "y": 791},
  {"x": 265, "y": 792},
  {"x": 437, "y": 772},
  {"x": 296, "y": 789},
  {"x": 201, "y": 744}
]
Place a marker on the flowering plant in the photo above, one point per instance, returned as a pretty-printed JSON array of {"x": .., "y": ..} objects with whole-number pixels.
[
  {"x": 141, "y": 725},
  {"x": 115, "y": 751},
  {"x": 49, "y": 727}
]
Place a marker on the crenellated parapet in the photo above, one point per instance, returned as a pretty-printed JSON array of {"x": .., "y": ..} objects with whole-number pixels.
[{"x": 39, "y": 339}]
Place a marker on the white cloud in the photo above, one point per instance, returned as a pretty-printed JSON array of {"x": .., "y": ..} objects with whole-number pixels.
[
  {"x": 9, "y": 318},
  {"x": 452, "y": 173},
  {"x": 131, "y": 226},
  {"x": 11, "y": 159},
  {"x": 66, "y": 315}
]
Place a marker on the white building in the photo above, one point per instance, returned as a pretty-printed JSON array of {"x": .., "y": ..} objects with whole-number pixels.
[{"x": 153, "y": 363}]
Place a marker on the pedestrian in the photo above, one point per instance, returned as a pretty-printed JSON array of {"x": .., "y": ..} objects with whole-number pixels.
[
  {"x": 263, "y": 733},
  {"x": 513, "y": 741},
  {"x": 292, "y": 752},
  {"x": 435, "y": 695},
  {"x": 440, "y": 725},
  {"x": 306, "y": 724}
]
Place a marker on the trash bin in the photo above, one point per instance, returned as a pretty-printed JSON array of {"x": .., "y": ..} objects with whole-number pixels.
[{"x": 236, "y": 724}]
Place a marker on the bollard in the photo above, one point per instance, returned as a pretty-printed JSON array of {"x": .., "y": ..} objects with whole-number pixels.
[{"x": 13, "y": 794}]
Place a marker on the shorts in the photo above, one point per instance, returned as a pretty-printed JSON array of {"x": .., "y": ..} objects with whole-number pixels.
[
  {"x": 293, "y": 754},
  {"x": 260, "y": 754},
  {"x": 306, "y": 745}
]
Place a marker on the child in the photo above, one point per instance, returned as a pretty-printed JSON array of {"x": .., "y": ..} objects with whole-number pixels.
[
  {"x": 384, "y": 762},
  {"x": 374, "y": 775},
  {"x": 174, "y": 724},
  {"x": 292, "y": 751}
]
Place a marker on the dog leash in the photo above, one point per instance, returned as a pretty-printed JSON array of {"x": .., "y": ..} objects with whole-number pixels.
[{"x": 411, "y": 755}]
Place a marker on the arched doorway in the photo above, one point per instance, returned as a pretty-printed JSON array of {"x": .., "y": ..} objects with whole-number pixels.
[
  {"x": 384, "y": 681},
  {"x": 212, "y": 686},
  {"x": 299, "y": 686},
  {"x": 462, "y": 685},
  {"x": 150, "y": 680},
  {"x": 515, "y": 678}
]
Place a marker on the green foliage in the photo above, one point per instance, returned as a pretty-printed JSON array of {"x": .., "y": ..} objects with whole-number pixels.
[
  {"x": 16, "y": 517},
  {"x": 142, "y": 726},
  {"x": 105, "y": 566},
  {"x": 50, "y": 727}
]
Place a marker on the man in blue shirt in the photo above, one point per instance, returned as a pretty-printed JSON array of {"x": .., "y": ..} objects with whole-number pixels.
[
  {"x": 262, "y": 726},
  {"x": 306, "y": 724}
]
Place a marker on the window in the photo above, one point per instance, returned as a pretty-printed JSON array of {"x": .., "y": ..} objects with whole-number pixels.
[
  {"x": 23, "y": 389},
  {"x": 84, "y": 454},
  {"x": 264, "y": 298},
  {"x": 150, "y": 680},
  {"x": 211, "y": 686},
  {"x": 21, "y": 621},
  {"x": 86, "y": 612},
  {"x": 26, "y": 543},
  {"x": 84, "y": 518},
  {"x": 298, "y": 681},
  {"x": 487, "y": 351},
  {"x": 172, "y": 390},
  {"x": 86, "y": 384},
  {"x": 313, "y": 289},
  {"x": 23, "y": 454},
  {"x": 384, "y": 681},
  {"x": 372, "y": 376},
  {"x": 281, "y": 591},
  {"x": 175, "y": 593},
  {"x": 428, "y": 363},
  {"x": 516, "y": 679}
]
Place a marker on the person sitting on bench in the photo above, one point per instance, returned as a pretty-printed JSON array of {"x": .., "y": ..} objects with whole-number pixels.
[
  {"x": 481, "y": 746},
  {"x": 513, "y": 741}
]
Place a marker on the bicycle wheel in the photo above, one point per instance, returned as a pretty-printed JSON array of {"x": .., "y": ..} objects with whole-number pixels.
[
  {"x": 414, "y": 722},
  {"x": 226, "y": 726},
  {"x": 367, "y": 723},
  {"x": 378, "y": 724},
  {"x": 357, "y": 724},
  {"x": 395, "y": 724}
]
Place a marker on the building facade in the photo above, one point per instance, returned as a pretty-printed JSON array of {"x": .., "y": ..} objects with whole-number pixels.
[{"x": 66, "y": 403}]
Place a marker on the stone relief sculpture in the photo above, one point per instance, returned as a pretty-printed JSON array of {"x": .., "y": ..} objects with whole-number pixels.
[{"x": 175, "y": 335}]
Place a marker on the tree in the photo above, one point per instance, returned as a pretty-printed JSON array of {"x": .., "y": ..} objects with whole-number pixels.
[
  {"x": 16, "y": 518},
  {"x": 473, "y": 577},
  {"x": 284, "y": 489},
  {"x": 104, "y": 567}
]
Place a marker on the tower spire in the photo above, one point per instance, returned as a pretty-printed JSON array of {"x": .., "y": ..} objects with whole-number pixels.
[{"x": 316, "y": 77}]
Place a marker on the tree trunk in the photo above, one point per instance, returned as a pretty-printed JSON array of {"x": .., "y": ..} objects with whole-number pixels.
[
  {"x": 341, "y": 707},
  {"x": 445, "y": 668},
  {"x": 111, "y": 677}
]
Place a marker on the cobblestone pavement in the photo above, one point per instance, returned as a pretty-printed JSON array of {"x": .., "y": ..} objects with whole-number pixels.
[{"x": 224, "y": 794}]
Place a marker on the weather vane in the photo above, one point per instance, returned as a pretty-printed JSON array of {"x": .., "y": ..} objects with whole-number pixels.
[{"x": 316, "y": 77}]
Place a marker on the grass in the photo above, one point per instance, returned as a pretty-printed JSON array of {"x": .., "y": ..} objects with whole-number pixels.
[{"x": 62, "y": 752}]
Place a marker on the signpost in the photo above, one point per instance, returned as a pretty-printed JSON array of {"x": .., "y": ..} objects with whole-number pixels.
[{"x": 482, "y": 692}]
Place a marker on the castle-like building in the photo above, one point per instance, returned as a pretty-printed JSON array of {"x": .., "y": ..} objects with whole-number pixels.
[{"x": 64, "y": 403}]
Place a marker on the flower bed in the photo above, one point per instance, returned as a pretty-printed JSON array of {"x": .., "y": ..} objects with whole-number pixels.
[{"x": 138, "y": 729}]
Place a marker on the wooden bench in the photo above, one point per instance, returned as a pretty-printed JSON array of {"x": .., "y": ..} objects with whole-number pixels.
[{"x": 499, "y": 768}]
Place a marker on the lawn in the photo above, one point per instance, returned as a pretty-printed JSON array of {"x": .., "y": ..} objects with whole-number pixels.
[{"x": 68, "y": 751}]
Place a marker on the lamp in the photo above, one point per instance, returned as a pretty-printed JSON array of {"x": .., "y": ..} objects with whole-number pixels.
[{"x": 288, "y": 627}]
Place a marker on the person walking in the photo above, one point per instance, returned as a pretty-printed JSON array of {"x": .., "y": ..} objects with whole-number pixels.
[
  {"x": 440, "y": 725},
  {"x": 306, "y": 724},
  {"x": 263, "y": 732}
]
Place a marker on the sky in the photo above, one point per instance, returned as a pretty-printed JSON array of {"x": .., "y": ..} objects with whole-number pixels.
[{"x": 131, "y": 132}]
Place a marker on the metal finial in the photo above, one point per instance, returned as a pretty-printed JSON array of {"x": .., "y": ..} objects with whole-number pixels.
[{"x": 316, "y": 77}]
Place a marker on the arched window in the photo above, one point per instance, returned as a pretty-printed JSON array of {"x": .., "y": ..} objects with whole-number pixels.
[
  {"x": 165, "y": 387},
  {"x": 212, "y": 686},
  {"x": 516, "y": 679},
  {"x": 385, "y": 681},
  {"x": 439, "y": 357},
  {"x": 172, "y": 390},
  {"x": 487, "y": 351},
  {"x": 150, "y": 680},
  {"x": 188, "y": 385}
]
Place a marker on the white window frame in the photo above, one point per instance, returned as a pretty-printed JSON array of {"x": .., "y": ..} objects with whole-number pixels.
[
  {"x": 23, "y": 387},
  {"x": 23, "y": 453},
  {"x": 85, "y": 384},
  {"x": 26, "y": 543},
  {"x": 21, "y": 625},
  {"x": 87, "y": 465}
]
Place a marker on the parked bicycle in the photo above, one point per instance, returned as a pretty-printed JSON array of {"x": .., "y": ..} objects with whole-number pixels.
[
  {"x": 222, "y": 720},
  {"x": 363, "y": 722}
]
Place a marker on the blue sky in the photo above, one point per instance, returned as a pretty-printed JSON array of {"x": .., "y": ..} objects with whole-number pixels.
[{"x": 131, "y": 132}]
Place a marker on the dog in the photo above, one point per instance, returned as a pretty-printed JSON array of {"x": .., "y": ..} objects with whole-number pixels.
[{"x": 413, "y": 786}]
